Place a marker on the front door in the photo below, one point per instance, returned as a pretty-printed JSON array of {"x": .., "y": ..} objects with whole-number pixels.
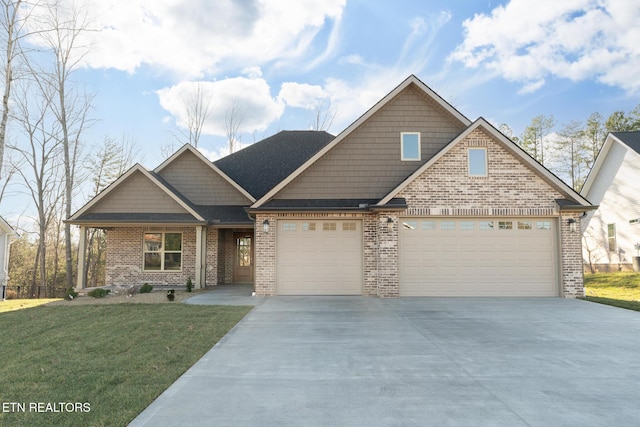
[{"x": 243, "y": 259}]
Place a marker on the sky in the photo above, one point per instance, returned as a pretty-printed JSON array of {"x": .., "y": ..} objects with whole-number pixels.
[{"x": 276, "y": 61}]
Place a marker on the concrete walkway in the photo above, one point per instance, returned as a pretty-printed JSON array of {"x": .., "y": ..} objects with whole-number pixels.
[{"x": 358, "y": 361}]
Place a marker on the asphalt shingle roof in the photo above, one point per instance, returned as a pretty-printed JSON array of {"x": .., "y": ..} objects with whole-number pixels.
[{"x": 261, "y": 166}]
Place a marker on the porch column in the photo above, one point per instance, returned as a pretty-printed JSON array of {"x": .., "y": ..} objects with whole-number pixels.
[
  {"x": 201, "y": 256},
  {"x": 82, "y": 258}
]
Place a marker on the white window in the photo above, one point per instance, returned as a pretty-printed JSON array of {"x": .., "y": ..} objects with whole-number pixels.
[
  {"x": 410, "y": 142},
  {"x": 466, "y": 225},
  {"x": 428, "y": 225},
  {"x": 162, "y": 252},
  {"x": 543, "y": 225},
  {"x": 485, "y": 225},
  {"x": 477, "y": 161},
  {"x": 288, "y": 226},
  {"x": 611, "y": 237},
  {"x": 448, "y": 225}
]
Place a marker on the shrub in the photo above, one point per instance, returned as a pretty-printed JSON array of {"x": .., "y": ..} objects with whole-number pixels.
[
  {"x": 171, "y": 294},
  {"x": 70, "y": 294},
  {"x": 99, "y": 293},
  {"x": 146, "y": 288},
  {"x": 189, "y": 285}
]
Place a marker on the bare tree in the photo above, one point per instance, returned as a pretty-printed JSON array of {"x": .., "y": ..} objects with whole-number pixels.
[
  {"x": 323, "y": 115},
  {"x": 63, "y": 30},
  {"x": 38, "y": 166},
  {"x": 198, "y": 107},
  {"x": 533, "y": 138},
  {"x": 571, "y": 153},
  {"x": 233, "y": 118}
]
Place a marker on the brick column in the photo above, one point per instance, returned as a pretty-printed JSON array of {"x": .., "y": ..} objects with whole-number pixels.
[
  {"x": 370, "y": 238},
  {"x": 572, "y": 263},
  {"x": 265, "y": 256},
  {"x": 388, "y": 268}
]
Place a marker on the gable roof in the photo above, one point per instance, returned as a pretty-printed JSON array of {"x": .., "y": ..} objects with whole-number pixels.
[
  {"x": 516, "y": 150},
  {"x": 412, "y": 80},
  {"x": 154, "y": 178},
  {"x": 628, "y": 140},
  {"x": 190, "y": 148},
  {"x": 261, "y": 166},
  {"x": 7, "y": 229}
]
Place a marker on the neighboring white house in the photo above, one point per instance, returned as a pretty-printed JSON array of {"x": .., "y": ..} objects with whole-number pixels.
[
  {"x": 611, "y": 233},
  {"x": 7, "y": 234}
]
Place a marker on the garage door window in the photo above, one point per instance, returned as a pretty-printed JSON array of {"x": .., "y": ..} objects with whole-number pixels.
[
  {"x": 288, "y": 226},
  {"x": 428, "y": 225},
  {"x": 543, "y": 225},
  {"x": 349, "y": 226},
  {"x": 308, "y": 226},
  {"x": 448, "y": 225},
  {"x": 329, "y": 226},
  {"x": 409, "y": 225},
  {"x": 505, "y": 225},
  {"x": 485, "y": 225},
  {"x": 524, "y": 225},
  {"x": 467, "y": 225}
]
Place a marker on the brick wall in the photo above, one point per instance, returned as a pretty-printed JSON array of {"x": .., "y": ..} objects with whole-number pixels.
[
  {"x": 265, "y": 256},
  {"x": 212, "y": 257},
  {"x": 125, "y": 258},
  {"x": 388, "y": 268},
  {"x": 572, "y": 265}
]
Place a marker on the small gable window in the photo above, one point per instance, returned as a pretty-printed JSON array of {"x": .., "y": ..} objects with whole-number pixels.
[
  {"x": 477, "y": 162},
  {"x": 410, "y": 142}
]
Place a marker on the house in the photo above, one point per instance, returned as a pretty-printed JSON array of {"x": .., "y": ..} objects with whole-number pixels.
[
  {"x": 612, "y": 232},
  {"x": 412, "y": 199},
  {"x": 7, "y": 235}
]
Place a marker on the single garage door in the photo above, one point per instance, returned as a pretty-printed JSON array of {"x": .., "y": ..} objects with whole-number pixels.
[
  {"x": 319, "y": 257},
  {"x": 478, "y": 257}
]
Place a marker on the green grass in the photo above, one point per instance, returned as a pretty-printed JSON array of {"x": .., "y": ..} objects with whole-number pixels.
[
  {"x": 618, "y": 289},
  {"x": 117, "y": 358},
  {"x": 18, "y": 304}
]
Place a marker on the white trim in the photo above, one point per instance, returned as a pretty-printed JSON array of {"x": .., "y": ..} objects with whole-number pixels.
[
  {"x": 410, "y": 159},
  {"x": 507, "y": 143},
  {"x": 135, "y": 168},
  {"x": 198, "y": 154},
  {"x": 411, "y": 80}
]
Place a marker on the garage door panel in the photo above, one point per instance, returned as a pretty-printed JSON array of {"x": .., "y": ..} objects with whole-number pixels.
[
  {"x": 466, "y": 257},
  {"x": 320, "y": 259}
]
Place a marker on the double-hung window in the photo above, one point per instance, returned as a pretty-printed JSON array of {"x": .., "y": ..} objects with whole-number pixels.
[
  {"x": 162, "y": 252},
  {"x": 611, "y": 237}
]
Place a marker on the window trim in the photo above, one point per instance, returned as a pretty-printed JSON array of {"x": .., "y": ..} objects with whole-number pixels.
[
  {"x": 410, "y": 159},
  {"x": 162, "y": 251},
  {"x": 486, "y": 162}
]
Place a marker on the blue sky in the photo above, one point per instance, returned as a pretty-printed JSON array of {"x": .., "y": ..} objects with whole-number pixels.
[{"x": 507, "y": 61}]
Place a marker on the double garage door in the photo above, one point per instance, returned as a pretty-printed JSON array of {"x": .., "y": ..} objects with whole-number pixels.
[
  {"x": 437, "y": 257},
  {"x": 478, "y": 257}
]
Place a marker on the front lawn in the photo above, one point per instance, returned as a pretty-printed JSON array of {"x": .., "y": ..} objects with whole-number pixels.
[
  {"x": 98, "y": 365},
  {"x": 619, "y": 289}
]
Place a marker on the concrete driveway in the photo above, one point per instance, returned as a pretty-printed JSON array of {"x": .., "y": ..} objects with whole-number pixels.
[{"x": 358, "y": 361}]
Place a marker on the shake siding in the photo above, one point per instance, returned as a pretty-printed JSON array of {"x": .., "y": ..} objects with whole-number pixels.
[
  {"x": 200, "y": 183},
  {"x": 138, "y": 195},
  {"x": 367, "y": 163}
]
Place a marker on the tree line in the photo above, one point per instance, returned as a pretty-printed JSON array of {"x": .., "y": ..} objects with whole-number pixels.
[{"x": 569, "y": 150}]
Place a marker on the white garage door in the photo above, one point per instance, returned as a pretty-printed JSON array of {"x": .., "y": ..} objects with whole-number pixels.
[
  {"x": 319, "y": 257},
  {"x": 478, "y": 257}
]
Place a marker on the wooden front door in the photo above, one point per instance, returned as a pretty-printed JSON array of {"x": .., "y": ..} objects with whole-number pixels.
[{"x": 243, "y": 257}]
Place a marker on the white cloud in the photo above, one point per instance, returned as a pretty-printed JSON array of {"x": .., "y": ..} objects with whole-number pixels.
[
  {"x": 529, "y": 42},
  {"x": 256, "y": 108},
  {"x": 301, "y": 95},
  {"x": 196, "y": 38}
]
